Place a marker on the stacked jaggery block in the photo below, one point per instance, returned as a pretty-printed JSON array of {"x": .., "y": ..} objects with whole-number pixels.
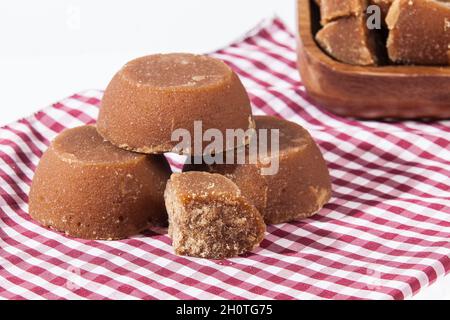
[
  {"x": 86, "y": 187},
  {"x": 282, "y": 196},
  {"x": 418, "y": 32},
  {"x": 171, "y": 90},
  {"x": 112, "y": 181}
]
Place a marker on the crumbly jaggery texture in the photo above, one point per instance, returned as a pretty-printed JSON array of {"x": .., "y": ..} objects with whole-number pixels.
[
  {"x": 88, "y": 188},
  {"x": 152, "y": 96},
  {"x": 331, "y": 10},
  {"x": 419, "y": 32},
  {"x": 299, "y": 189},
  {"x": 209, "y": 218}
]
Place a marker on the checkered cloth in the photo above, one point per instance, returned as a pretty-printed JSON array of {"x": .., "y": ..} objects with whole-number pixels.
[{"x": 384, "y": 235}]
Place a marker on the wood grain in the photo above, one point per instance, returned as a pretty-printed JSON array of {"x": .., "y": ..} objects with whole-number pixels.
[{"x": 368, "y": 92}]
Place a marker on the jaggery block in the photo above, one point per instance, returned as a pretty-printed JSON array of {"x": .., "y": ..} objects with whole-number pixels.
[
  {"x": 88, "y": 188},
  {"x": 209, "y": 218},
  {"x": 349, "y": 40},
  {"x": 152, "y": 96},
  {"x": 331, "y": 10},
  {"x": 419, "y": 32},
  {"x": 299, "y": 188}
]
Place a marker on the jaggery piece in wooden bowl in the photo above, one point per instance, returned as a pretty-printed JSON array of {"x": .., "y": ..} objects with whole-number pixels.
[{"x": 368, "y": 92}]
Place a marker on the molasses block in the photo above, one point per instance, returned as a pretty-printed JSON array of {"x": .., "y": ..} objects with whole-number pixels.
[
  {"x": 88, "y": 188},
  {"x": 152, "y": 96},
  {"x": 209, "y": 218},
  {"x": 419, "y": 32},
  {"x": 298, "y": 189}
]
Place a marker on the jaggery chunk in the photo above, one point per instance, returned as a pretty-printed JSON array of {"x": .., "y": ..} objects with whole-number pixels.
[
  {"x": 209, "y": 218},
  {"x": 299, "y": 188},
  {"x": 86, "y": 187},
  {"x": 349, "y": 40},
  {"x": 419, "y": 32},
  {"x": 152, "y": 96},
  {"x": 331, "y": 10}
]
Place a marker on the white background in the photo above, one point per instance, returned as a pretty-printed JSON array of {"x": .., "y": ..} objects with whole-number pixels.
[{"x": 50, "y": 49}]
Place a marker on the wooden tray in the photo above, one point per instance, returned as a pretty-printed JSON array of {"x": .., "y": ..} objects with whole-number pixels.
[{"x": 367, "y": 92}]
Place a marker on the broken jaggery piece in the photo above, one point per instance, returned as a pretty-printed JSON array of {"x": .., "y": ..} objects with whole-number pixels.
[
  {"x": 87, "y": 188},
  {"x": 209, "y": 218},
  {"x": 349, "y": 40},
  {"x": 298, "y": 189},
  {"x": 331, "y": 10},
  {"x": 419, "y": 32}
]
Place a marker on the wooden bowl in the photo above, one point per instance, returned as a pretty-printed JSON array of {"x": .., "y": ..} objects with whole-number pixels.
[{"x": 367, "y": 92}]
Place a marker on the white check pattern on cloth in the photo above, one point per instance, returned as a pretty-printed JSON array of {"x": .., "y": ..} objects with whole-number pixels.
[{"x": 384, "y": 235}]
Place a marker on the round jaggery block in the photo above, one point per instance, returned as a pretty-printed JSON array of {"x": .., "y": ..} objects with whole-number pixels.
[
  {"x": 152, "y": 96},
  {"x": 209, "y": 218},
  {"x": 299, "y": 188},
  {"x": 88, "y": 188}
]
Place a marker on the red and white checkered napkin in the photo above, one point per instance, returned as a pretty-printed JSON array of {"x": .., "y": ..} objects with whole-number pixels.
[{"x": 384, "y": 234}]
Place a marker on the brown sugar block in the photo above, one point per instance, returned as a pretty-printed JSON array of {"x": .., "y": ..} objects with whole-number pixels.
[
  {"x": 88, "y": 188},
  {"x": 209, "y": 218},
  {"x": 300, "y": 187},
  {"x": 349, "y": 40},
  {"x": 152, "y": 96},
  {"x": 419, "y": 32},
  {"x": 331, "y": 10}
]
